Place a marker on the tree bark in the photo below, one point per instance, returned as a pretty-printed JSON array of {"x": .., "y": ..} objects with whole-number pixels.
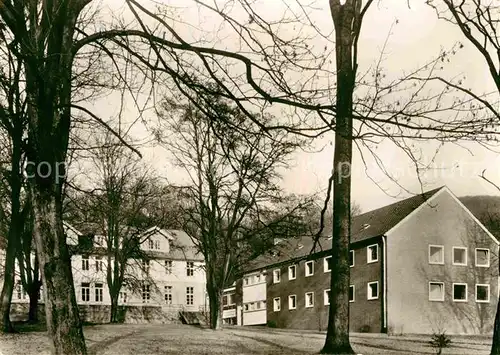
[
  {"x": 495, "y": 346},
  {"x": 8, "y": 288},
  {"x": 114, "y": 307},
  {"x": 215, "y": 305},
  {"x": 337, "y": 338},
  {"x": 14, "y": 228},
  {"x": 33, "y": 294},
  {"x": 61, "y": 311}
]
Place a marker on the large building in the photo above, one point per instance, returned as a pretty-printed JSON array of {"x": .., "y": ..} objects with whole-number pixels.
[
  {"x": 417, "y": 266},
  {"x": 169, "y": 281}
]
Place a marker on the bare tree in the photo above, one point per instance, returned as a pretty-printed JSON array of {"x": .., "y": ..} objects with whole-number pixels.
[
  {"x": 234, "y": 177},
  {"x": 121, "y": 191},
  {"x": 13, "y": 122}
]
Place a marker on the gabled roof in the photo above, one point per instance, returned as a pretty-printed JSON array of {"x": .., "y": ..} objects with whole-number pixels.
[
  {"x": 365, "y": 226},
  {"x": 378, "y": 222}
]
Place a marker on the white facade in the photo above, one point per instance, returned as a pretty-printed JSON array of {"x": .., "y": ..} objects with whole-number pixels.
[
  {"x": 254, "y": 298},
  {"x": 175, "y": 277}
]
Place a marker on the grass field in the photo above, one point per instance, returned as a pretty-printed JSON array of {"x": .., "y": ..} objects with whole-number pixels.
[{"x": 182, "y": 339}]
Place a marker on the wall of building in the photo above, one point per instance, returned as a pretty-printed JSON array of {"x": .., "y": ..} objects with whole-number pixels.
[
  {"x": 441, "y": 221},
  {"x": 136, "y": 308},
  {"x": 315, "y": 317},
  {"x": 365, "y": 314},
  {"x": 254, "y": 298}
]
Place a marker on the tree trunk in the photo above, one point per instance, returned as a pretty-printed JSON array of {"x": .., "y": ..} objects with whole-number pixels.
[
  {"x": 114, "y": 307},
  {"x": 8, "y": 288},
  {"x": 14, "y": 229},
  {"x": 495, "y": 346},
  {"x": 33, "y": 294},
  {"x": 337, "y": 338},
  {"x": 61, "y": 310},
  {"x": 215, "y": 295}
]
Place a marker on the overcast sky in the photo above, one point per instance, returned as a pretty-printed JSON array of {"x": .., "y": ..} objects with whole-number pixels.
[{"x": 416, "y": 38}]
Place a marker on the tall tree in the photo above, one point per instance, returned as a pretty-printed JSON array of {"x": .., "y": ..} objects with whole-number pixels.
[
  {"x": 13, "y": 123},
  {"x": 119, "y": 191},
  {"x": 233, "y": 168}
]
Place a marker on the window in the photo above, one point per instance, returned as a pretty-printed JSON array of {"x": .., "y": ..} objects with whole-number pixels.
[
  {"x": 309, "y": 268},
  {"x": 351, "y": 258},
  {"x": 190, "y": 268},
  {"x": 146, "y": 293},
  {"x": 327, "y": 264},
  {"x": 292, "y": 302},
  {"x": 189, "y": 296},
  {"x": 145, "y": 266},
  {"x": 309, "y": 299},
  {"x": 257, "y": 305},
  {"x": 372, "y": 253},
  {"x": 98, "y": 292},
  {"x": 460, "y": 292},
  {"x": 168, "y": 294},
  {"x": 85, "y": 291},
  {"x": 292, "y": 272},
  {"x": 326, "y": 297},
  {"x": 228, "y": 300},
  {"x": 436, "y": 291},
  {"x": 98, "y": 263},
  {"x": 99, "y": 240},
  {"x": 277, "y": 304},
  {"x": 246, "y": 281},
  {"x": 151, "y": 243},
  {"x": 21, "y": 293},
  {"x": 85, "y": 263},
  {"x": 482, "y": 257},
  {"x": 157, "y": 244},
  {"x": 276, "y": 276},
  {"x": 352, "y": 293},
  {"x": 459, "y": 256},
  {"x": 482, "y": 293},
  {"x": 247, "y": 307},
  {"x": 123, "y": 297},
  {"x": 373, "y": 290},
  {"x": 263, "y": 304},
  {"x": 257, "y": 278},
  {"x": 436, "y": 254},
  {"x": 168, "y": 267}
]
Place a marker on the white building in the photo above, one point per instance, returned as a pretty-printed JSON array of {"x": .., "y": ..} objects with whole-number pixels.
[{"x": 173, "y": 278}]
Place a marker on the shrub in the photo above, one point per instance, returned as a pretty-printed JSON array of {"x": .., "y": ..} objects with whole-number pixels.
[
  {"x": 271, "y": 324},
  {"x": 364, "y": 329},
  {"x": 439, "y": 341}
]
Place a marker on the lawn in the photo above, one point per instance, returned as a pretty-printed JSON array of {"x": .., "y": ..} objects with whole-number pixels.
[{"x": 182, "y": 339}]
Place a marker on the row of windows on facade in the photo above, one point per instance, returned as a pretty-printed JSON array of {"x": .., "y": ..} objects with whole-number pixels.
[
  {"x": 372, "y": 294},
  {"x": 372, "y": 256},
  {"x": 152, "y": 243},
  {"x": 168, "y": 264},
  {"x": 145, "y": 293},
  {"x": 459, "y": 256},
  {"x": 459, "y": 292},
  {"x": 254, "y": 306}
]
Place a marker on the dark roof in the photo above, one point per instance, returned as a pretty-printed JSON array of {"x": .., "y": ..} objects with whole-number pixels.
[
  {"x": 365, "y": 226},
  {"x": 380, "y": 221}
]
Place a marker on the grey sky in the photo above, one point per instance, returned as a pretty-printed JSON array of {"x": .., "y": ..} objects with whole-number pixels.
[{"x": 416, "y": 38}]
